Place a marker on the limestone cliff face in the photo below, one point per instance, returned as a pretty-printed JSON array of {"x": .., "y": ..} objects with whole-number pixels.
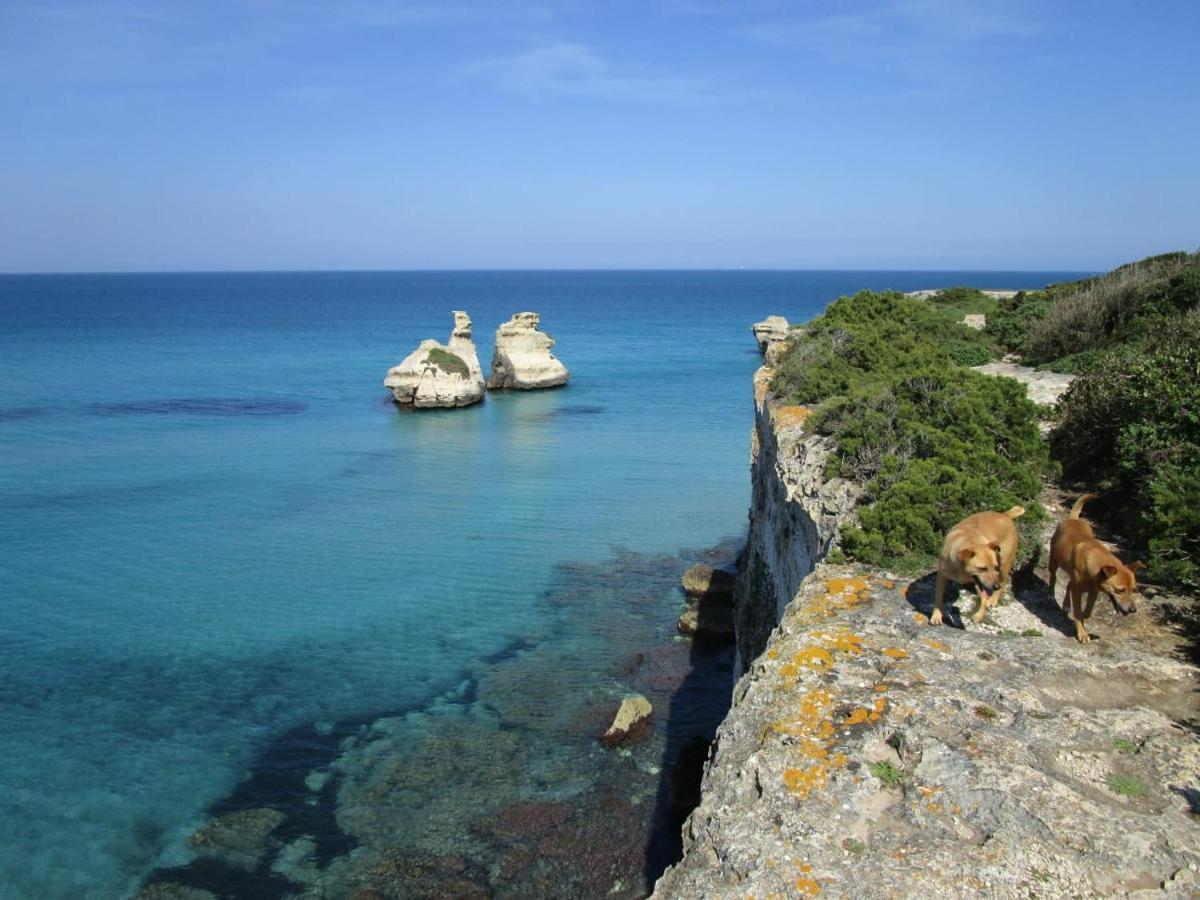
[
  {"x": 795, "y": 513},
  {"x": 869, "y": 754}
]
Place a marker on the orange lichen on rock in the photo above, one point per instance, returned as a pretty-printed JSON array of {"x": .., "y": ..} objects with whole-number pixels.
[
  {"x": 802, "y": 782},
  {"x": 784, "y": 416},
  {"x": 846, "y": 585},
  {"x": 895, "y": 653},
  {"x": 807, "y": 887},
  {"x": 856, "y": 718},
  {"x": 937, "y": 645}
]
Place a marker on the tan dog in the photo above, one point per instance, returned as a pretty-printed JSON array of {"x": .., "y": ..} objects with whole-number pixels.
[
  {"x": 1091, "y": 567},
  {"x": 979, "y": 550}
]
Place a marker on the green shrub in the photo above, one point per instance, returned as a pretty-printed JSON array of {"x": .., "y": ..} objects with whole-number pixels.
[
  {"x": 932, "y": 441},
  {"x": 1130, "y": 428},
  {"x": 450, "y": 363},
  {"x": 1065, "y": 325}
]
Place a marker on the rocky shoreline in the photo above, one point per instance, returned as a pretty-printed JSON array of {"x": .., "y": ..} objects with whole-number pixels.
[{"x": 868, "y": 754}]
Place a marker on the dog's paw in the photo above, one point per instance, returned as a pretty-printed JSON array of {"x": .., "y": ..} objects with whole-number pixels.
[
  {"x": 935, "y": 617},
  {"x": 1083, "y": 637}
]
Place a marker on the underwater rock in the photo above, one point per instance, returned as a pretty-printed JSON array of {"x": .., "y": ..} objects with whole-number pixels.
[
  {"x": 769, "y": 331},
  {"x": 522, "y": 360},
  {"x": 238, "y": 838},
  {"x": 631, "y": 722},
  {"x": 440, "y": 376}
]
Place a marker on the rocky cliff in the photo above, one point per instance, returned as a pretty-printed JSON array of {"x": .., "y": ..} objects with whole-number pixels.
[{"x": 869, "y": 754}]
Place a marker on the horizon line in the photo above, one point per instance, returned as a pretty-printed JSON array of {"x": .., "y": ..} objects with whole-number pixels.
[{"x": 518, "y": 270}]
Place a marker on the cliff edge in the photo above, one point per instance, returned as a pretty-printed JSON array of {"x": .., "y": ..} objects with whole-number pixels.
[{"x": 868, "y": 754}]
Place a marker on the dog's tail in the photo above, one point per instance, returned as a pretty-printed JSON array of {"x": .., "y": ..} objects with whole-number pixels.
[
  {"x": 1078, "y": 507},
  {"x": 1016, "y": 512}
]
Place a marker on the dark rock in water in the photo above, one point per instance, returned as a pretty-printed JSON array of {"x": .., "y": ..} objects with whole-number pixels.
[
  {"x": 203, "y": 406},
  {"x": 703, "y": 581},
  {"x": 19, "y": 413},
  {"x": 707, "y": 618},
  {"x": 423, "y": 876},
  {"x": 520, "y": 821},
  {"x": 169, "y": 890},
  {"x": 239, "y": 838}
]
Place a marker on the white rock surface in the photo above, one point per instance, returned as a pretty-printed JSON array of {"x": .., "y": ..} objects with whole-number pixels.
[
  {"x": 522, "y": 360},
  {"x": 769, "y": 331},
  {"x": 425, "y": 381}
]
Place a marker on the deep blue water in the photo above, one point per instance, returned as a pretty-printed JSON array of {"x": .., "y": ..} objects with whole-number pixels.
[{"x": 216, "y": 528}]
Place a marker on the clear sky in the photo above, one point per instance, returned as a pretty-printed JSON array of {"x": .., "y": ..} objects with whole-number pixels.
[{"x": 270, "y": 134}]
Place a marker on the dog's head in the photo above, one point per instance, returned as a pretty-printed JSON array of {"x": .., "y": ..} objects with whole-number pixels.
[
  {"x": 982, "y": 563},
  {"x": 1120, "y": 583}
]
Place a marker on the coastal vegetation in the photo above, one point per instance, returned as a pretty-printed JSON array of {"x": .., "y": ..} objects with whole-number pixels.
[
  {"x": 1129, "y": 426},
  {"x": 933, "y": 441},
  {"x": 450, "y": 363}
]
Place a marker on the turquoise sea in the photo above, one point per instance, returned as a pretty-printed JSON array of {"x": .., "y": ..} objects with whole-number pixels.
[{"x": 233, "y": 576}]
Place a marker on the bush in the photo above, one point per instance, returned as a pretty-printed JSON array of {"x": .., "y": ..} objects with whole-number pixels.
[
  {"x": 1066, "y": 325},
  {"x": 450, "y": 363},
  {"x": 932, "y": 440},
  {"x": 1130, "y": 427}
]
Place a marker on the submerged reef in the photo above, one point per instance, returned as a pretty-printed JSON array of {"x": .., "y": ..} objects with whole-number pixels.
[{"x": 502, "y": 785}]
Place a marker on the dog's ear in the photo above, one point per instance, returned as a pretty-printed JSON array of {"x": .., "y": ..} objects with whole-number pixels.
[
  {"x": 965, "y": 553},
  {"x": 1109, "y": 570},
  {"x": 1136, "y": 566}
]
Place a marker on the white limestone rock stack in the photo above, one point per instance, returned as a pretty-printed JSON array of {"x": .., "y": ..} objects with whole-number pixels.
[
  {"x": 523, "y": 360},
  {"x": 436, "y": 375}
]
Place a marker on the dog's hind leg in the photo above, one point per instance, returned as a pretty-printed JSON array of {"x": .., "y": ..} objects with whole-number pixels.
[{"x": 939, "y": 596}]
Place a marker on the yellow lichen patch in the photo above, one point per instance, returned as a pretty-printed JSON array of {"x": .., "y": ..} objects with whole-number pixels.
[
  {"x": 839, "y": 760},
  {"x": 846, "y": 585},
  {"x": 888, "y": 583},
  {"x": 880, "y": 706},
  {"x": 802, "y": 782},
  {"x": 895, "y": 653},
  {"x": 920, "y": 619},
  {"x": 772, "y": 653},
  {"x": 814, "y": 658},
  {"x": 937, "y": 645},
  {"x": 928, "y": 790},
  {"x": 881, "y": 688},
  {"x": 784, "y": 416},
  {"x": 805, "y": 868},
  {"x": 856, "y": 718},
  {"x": 807, "y": 887}
]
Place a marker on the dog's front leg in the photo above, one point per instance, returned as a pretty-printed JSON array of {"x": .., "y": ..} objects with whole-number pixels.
[
  {"x": 1076, "y": 596},
  {"x": 939, "y": 595}
]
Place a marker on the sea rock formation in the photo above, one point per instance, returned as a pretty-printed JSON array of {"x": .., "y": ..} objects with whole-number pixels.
[
  {"x": 631, "y": 722},
  {"x": 868, "y": 754},
  {"x": 522, "y": 360},
  {"x": 769, "y": 331},
  {"x": 436, "y": 375},
  {"x": 710, "y": 602}
]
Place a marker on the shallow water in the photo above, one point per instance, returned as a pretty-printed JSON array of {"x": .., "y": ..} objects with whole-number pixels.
[{"x": 219, "y": 533}]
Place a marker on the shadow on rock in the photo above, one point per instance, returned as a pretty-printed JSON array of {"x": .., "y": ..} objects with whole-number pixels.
[{"x": 920, "y": 595}]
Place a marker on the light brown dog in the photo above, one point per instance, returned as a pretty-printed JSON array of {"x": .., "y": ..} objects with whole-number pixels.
[
  {"x": 1090, "y": 567},
  {"x": 979, "y": 550}
]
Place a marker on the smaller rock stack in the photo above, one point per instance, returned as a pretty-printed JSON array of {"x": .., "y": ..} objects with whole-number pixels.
[
  {"x": 436, "y": 375},
  {"x": 523, "y": 360}
]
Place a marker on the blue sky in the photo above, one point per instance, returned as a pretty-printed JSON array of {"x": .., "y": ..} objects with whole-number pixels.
[{"x": 269, "y": 134}]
